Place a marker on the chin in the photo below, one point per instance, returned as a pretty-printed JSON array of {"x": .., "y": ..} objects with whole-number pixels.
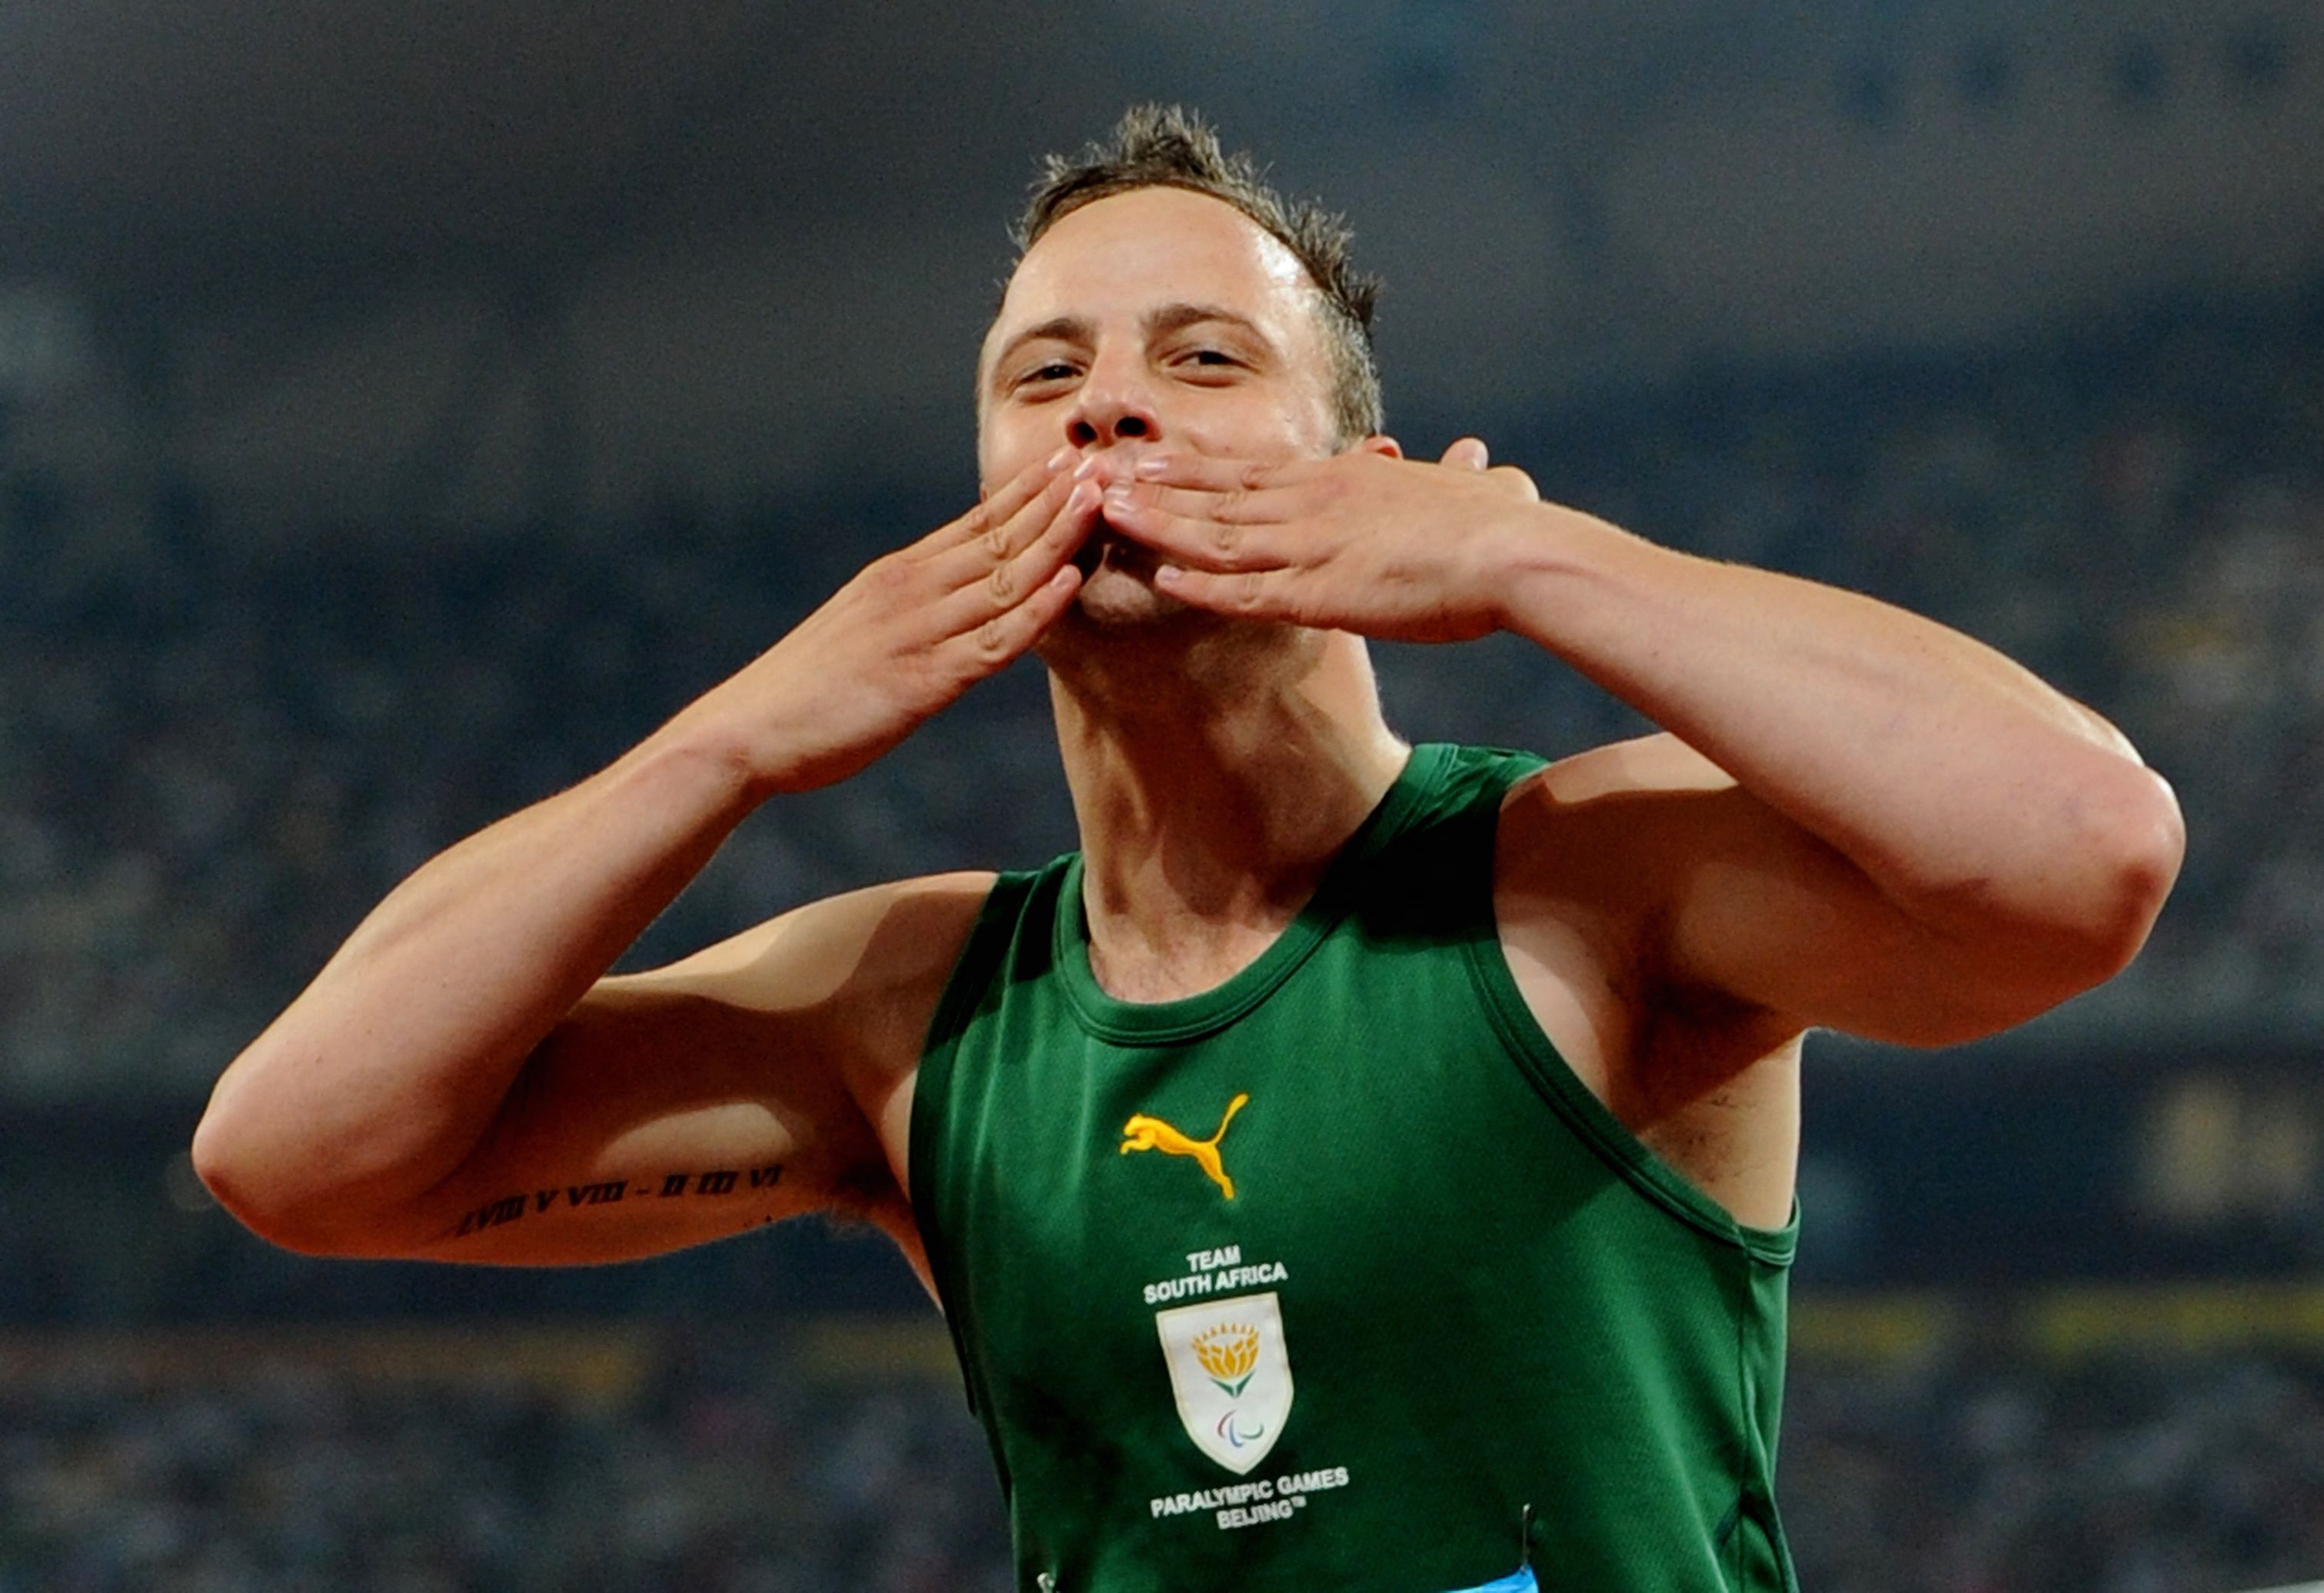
[
  {"x": 1118, "y": 588},
  {"x": 1111, "y": 598}
]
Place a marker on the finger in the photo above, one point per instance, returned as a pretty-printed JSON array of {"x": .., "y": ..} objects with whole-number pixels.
[
  {"x": 1054, "y": 546},
  {"x": 1201, "y": 474},
  {"x": 1271, "y": 505},
  {"x": 1205, "y": 537},
  {"x": 1517, "y": 481},
  {"x": 1253, "y": 594},
  {"x": 1002, "y": 636},
  {"x": 978, "y": 584},
  {"x": 1053, "y": 475},
  {"x": 1468, "y": 454},
  {"x": 996, "y": 538}
]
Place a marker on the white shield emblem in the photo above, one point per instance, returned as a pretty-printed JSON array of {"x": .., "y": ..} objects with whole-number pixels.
[{"x": 1230, "y": 1375}]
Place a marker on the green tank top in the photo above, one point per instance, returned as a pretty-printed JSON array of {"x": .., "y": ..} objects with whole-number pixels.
[{"x": 1335, "y": 1277}]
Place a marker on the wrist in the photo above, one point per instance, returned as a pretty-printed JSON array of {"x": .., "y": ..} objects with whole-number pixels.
[
  {"x": 1558, "y": 570},
  {"x": 717, "y": 755}
]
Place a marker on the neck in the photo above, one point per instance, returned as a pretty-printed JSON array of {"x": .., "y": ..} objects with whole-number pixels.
[{"x": 1212, "y": 790}]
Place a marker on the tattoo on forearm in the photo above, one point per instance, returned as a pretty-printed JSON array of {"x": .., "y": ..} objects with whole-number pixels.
[{"x": 515, "y": 1208}]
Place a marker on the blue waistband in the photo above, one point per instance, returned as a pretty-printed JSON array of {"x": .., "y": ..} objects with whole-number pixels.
[{"x": 1516, "y": 1582}]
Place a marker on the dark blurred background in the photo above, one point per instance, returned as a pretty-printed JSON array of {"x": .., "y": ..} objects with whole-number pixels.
[{"x": 404, "y": 407}]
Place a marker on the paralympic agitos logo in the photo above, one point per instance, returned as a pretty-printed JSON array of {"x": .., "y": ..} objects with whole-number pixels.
[{"x": 1230, "y": 1376}]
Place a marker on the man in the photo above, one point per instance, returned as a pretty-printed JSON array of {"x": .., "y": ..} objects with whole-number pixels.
[{"x": 1357, "y": 1166}]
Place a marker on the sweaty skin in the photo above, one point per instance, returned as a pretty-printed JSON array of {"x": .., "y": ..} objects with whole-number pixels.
[{"x": 1854, "y": 817}]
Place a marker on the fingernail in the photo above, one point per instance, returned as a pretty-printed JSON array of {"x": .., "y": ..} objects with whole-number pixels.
[
  {"x": 1058, "y": 460},
  {"x": 1086, "y": 469},
  {"x": 1152, "y": 465},
  {"x": 1117, "y": 496},
  {"x": 1084, "y": 496}
]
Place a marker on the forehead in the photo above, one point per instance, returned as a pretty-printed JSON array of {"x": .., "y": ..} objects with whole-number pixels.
[{"x": 1122, "y": 255}]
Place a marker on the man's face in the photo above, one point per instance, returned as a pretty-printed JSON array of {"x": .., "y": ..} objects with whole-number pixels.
[{"x": 1155, "y": 320}]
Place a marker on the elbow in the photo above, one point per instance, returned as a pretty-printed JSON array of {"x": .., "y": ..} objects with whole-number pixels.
[
  {"x": 2070, "y": 924},
  {"x": 2136, "y": 854},
  {"x": 276, "y": 1195},
  {"x": 241, "y": 1181},
  {"x": 2115, "y": 876},
  {"x": 226, "y": 1170}
]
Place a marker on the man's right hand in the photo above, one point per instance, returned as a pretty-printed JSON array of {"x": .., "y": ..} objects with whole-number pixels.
[
  {"x": 911, "y": 632},
  {"x": 463, "y": 1045}
]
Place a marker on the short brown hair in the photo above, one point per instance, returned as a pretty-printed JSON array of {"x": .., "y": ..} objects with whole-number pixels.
[{"x": 1169, "y": 146}]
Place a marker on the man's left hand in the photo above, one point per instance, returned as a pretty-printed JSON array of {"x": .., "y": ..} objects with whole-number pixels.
[{"x": 1362, "y": 541}]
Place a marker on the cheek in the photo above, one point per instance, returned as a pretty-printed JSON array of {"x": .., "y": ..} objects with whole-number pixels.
[
  {"x": 999, "y": 454},
  {"x": 1291, "y": 419},
  {"x": 1323, "y": 419},
  {"x": 1006, "y": 444},
  {"x": 1283, "y": 427}
]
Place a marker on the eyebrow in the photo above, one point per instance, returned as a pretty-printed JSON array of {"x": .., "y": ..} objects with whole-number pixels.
[
  {"x": 1058, "y": 328},
  {"x": 1159, "y": 321},
  {"x": 1177, "y": 318}
]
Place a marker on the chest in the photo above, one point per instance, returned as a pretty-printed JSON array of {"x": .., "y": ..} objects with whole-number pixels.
[
  {"x": 1348, "y": 1161},
  {"x": 1285, "y": 1279},
  {"x": 1310, "y": 1132}
]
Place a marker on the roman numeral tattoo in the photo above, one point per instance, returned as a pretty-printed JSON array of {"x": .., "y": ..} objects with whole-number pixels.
[{"x": 614, "y": 1191}]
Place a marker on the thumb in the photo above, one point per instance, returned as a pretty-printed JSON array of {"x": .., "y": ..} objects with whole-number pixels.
[{"x": 1468, "y": 454}]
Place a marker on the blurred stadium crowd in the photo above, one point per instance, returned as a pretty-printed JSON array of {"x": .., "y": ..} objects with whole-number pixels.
[
  {"x": 1984, "y": 1474},
  {"x": 722, "y": 1471},
  {"x": 216, "y": 753},
  {"x": 728, "y": 1469}
]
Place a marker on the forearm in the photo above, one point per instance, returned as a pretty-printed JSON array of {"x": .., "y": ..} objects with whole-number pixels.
[
  {"x": 1968, "y": 791},
  {"x": 390, "y": 1067}
]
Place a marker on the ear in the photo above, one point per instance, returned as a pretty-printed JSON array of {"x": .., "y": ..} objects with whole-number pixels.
[{"x": 1386, "y": 446}]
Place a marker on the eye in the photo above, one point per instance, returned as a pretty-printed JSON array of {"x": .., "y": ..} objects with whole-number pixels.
[
  {"x": 1208, "y": 361},
  {"x": 1047, "y": 372}
]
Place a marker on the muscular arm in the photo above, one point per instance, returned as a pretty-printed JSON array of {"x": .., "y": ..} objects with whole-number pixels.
[
  {"x": 1922, "y": 842},
  {"x": 1866, "y": 821},
  {"x": 371, "y": 1090},
  {"x": 462, "y": 1048},
  {"x": 757, "y": 1079}
]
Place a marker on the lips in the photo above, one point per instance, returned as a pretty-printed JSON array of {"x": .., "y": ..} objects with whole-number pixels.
[
  {"x": 1108, "y": 549},
  {"x": 1091, "y": 552}
]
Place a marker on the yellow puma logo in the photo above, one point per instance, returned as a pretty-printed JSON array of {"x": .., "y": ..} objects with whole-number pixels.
[{"x": 1145, "y": 1133}]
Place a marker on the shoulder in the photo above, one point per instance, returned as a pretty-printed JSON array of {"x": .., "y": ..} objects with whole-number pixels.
[
  {"x": 1600, "y": 853},
  {"x": 1619, "y": 818},
  {"x": 1654, "y": 764}
]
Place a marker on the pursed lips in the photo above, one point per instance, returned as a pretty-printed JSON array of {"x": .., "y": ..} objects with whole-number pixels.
[{"x": 1108, "y": 547}]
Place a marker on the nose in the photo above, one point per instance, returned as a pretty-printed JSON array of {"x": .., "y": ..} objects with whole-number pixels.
[{"x": 1111, "y": 407}]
